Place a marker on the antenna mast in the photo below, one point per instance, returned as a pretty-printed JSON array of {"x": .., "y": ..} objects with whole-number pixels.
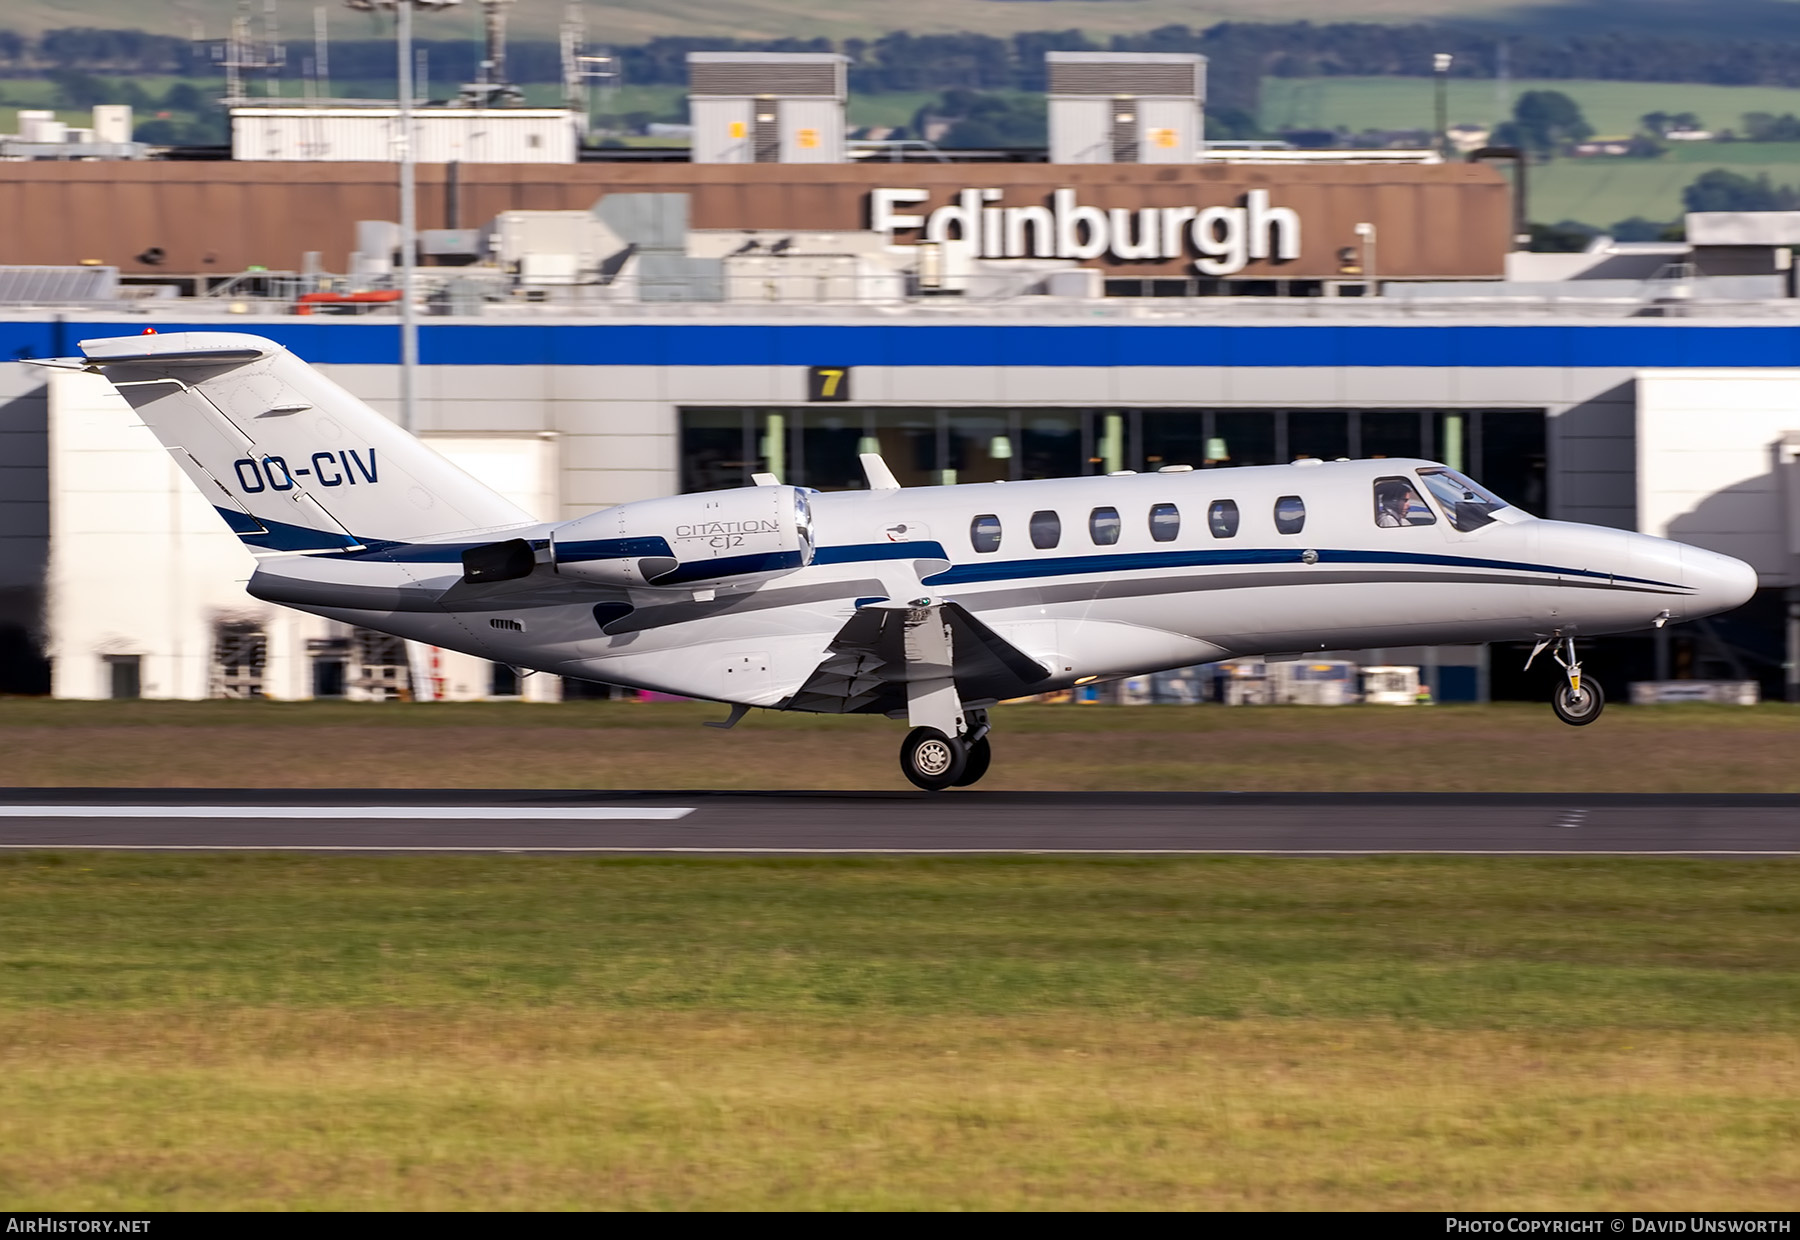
[
  {"x": 277, "y": 53},
  {"x": 491, "y": 86},
  {"x": 574, "y": 36},
  {"x": 321, "y": 53},
  {"x": 242, "y": 52}
]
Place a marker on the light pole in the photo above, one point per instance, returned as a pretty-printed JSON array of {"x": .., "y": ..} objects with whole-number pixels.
[
  {"x": 409, "y": 222},
  {"x": 1366, "y": 233},
  {"x": 1440, "y": 63}
]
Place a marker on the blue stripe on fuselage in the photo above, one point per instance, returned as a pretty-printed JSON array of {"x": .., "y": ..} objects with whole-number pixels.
[
  {"x": 1141, "y": 561},
  {"x": 860, "y": 553},
  {"x": 280, "y": 536},
  {"x": 612, "y": 549}
]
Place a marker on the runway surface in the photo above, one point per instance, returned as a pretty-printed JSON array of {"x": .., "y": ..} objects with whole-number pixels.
[{"x": 1294, "y": 824}]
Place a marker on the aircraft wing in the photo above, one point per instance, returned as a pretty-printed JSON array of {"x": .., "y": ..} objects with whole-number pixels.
[{"x": 866, "y": 666}]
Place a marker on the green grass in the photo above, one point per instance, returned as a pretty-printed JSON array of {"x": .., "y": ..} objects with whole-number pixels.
[
  {"x": 663, "y": 101},
  {"x": 1511, "y": 746},
  {"x": 1746, "y": 157},
  {"x": 1407, "y": 103},
  {"x": 451, "y": 1033},
  {"x": 1449, "y": 943},
  {"x": 38, "y": 92},
  {"x": 1594, "y": 191},
  {"x": 893, "y": 109},
  {"x": 9, "y": 118},
  {"x": 1603, "y": 191}
]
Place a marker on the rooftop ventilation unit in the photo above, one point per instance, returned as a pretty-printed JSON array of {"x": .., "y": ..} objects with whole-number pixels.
[
  {"x": 1126, "y": 107},
  {"x": 767, "y": 107}
]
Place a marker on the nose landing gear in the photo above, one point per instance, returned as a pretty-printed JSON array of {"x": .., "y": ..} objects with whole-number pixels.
[{"x": 1579, "y": 699}]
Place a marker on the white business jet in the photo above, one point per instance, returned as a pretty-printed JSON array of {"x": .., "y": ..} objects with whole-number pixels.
[{"x": 928, "y": 604}]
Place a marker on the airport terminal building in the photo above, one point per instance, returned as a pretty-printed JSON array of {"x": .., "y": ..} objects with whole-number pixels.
[
  {"x": 1680, "y": 427},
  {"x": 778, "y": 302}
]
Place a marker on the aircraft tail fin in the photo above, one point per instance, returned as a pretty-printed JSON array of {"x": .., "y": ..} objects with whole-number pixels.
[{"x": 291, "y": 460}]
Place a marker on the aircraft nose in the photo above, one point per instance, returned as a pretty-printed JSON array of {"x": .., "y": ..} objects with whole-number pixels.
[{"x": 1720, "y": 582}]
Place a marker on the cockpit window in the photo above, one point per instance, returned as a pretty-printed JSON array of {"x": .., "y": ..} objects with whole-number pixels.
[
  {"x": 1466, "y": 504},
  {"x": 1398, "y": 504},
  {"x": 984, "y": 533}
]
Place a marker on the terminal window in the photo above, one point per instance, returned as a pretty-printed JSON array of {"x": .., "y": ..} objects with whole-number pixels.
[
  {"x": 240, "y": 658},
  {"x": 722, "y": 447}
]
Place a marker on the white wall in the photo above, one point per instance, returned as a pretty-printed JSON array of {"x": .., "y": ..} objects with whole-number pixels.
[
  {"x": 140, "y": 564},
  {"x": 1707, "y": 472},
  {"x": 467, "y": 135},
  {"x": 523, "y": 468},
  {"x": 722, "y": 130},
  {"x": 1081, "y": 130}
]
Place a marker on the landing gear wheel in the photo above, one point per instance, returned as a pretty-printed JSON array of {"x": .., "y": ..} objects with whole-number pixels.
[
  {"x": 932, "y": 760},
  {"x": 1577, "y": 707},
  {"x": 980, "y": 754}
]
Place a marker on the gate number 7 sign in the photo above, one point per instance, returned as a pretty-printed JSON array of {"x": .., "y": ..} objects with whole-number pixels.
[{"x": 827, "y": 383}]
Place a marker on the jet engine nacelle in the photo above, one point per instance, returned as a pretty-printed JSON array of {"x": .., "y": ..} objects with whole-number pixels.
[{"x": 683, "y": 538}]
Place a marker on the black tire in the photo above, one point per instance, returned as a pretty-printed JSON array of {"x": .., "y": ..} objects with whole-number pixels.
[
  {"x": 1579, "y": 710},
  {"x": 932, "y": 760},
  {"x": 980, "y": 754}
]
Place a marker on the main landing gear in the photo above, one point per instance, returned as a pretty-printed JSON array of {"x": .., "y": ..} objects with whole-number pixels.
[
  {"x": 933, "y": 760},
  {"x": 948, "y": 745},
  {"x": 1579, "y": 699}
]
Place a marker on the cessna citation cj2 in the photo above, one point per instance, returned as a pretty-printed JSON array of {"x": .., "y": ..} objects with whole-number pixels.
[{"x": 927, "y": 604}]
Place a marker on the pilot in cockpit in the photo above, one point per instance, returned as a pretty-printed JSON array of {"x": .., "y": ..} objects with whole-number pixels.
[{"x": 1397, "y": 504}]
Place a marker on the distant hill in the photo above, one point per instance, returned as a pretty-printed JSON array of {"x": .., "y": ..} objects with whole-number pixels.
[
  {"x": 840, "y": 19},
  {"x": 1242, "y": 54}
]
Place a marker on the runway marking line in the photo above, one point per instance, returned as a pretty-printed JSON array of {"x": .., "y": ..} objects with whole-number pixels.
[
  {"x": 920, "y": 852},
  {"x": 426, "y": 813}
]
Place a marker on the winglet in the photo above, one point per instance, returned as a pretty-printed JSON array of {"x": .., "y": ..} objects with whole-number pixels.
[{"x": 876, "y": 470}]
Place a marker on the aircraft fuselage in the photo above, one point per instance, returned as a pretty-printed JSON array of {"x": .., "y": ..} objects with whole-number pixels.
[{"x": 1090, "y": 577}]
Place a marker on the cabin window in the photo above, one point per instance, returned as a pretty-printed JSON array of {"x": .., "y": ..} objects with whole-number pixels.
[
  {"x": 1398, "y": 504},
  {"x": 1104, "y": 526},
  {"x": 984, "y": 533},
  {"x": 1290, "y": 514},
  {"x": 1222, "y": 518},
  {"x": 1165, "y": 522},
  {"x": 1046, "y": 530}
]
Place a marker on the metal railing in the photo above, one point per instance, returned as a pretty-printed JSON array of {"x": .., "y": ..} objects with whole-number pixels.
[{"x": 837, "y": 287}]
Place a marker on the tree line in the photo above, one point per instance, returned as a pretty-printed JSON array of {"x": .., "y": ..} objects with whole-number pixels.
[{"x": 1241, "y": 54}]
